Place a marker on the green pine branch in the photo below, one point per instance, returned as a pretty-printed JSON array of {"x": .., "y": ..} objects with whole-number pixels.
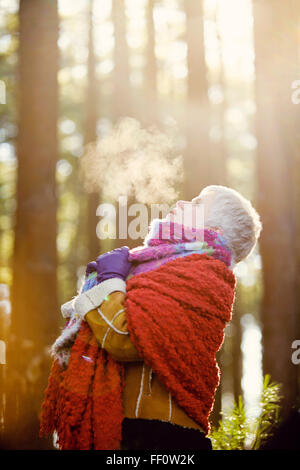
[{"x": 238, "y": 432}]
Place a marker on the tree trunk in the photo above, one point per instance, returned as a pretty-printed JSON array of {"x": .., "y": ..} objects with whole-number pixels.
[
  {"x": 91, "y": 136},
  {"x": 275, "y": 33},
  {"x": 236, "y": 346},
  {"x": 220, "y": 149},
  {"x": 34, "y": 316},
  {"x": 198, "y": 169},
  {"x": 150, "y": 78},
  {"x": 122, "y": 105}
]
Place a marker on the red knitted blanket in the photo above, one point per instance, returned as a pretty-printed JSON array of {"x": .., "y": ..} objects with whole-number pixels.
[{"x": 176, "y": 316}]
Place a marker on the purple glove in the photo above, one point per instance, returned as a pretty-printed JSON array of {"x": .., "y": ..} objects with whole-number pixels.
[
  {"x": 113, "y": 264},
  {"x": 91, "y": 267}
]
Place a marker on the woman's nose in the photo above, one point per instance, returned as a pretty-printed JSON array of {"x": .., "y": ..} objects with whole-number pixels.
[{"x": 181, "y": 204}]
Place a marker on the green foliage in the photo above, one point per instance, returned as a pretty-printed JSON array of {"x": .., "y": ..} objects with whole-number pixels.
[
  {"x": 232, "y": 431},
  {"x": 269, "y": 416},
  {"x": 236, "y": 431}
]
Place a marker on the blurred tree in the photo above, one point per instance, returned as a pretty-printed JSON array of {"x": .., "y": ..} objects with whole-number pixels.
[
  {"x": 8, "y": 130},
  {"x": 220, "y": 150},
  {"x": 72, "y": 215},
  {"x": 276, "y": 47},
  {"x": 198, "y": 168},
  {"x": 215, "y": 416},
  {"x": 122, "y": 104},
  {"x": 236, "y": 345},
  {"x": 8, "y": 54},
  {"x": 34, "y": 303},
  {"x": 122, "y": 98},
  {"x": 4, "y": 327},
  {"x": 150, "y": 79},
  {"x": 91, "y": 134}
]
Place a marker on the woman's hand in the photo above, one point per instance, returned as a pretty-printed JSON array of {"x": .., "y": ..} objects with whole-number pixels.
[{"x": 112, "y": 264}]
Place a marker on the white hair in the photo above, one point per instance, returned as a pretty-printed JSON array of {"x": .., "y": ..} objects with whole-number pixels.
[{"x": 237, "y": 218}]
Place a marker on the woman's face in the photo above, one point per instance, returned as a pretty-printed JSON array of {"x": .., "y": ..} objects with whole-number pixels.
[
  {"x": 207, "y": 199},
  {"x": 179, "y": 212},
  {"x": 192, "y": 213}
]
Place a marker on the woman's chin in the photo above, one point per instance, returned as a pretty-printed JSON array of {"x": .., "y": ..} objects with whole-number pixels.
[{"x": 170, "y": 218}]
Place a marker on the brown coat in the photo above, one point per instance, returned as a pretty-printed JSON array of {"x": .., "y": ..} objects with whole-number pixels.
[{"x": 144, "y": 395}]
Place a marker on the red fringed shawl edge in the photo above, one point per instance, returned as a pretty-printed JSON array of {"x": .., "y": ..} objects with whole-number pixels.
[{"x": 83, "y": 402}]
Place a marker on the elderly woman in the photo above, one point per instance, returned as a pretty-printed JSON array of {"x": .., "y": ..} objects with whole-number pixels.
[{"x": 135, "y": 367}]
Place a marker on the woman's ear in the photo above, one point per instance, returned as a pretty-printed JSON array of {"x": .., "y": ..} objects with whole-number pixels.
[{"x": 219, "y": 230}]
